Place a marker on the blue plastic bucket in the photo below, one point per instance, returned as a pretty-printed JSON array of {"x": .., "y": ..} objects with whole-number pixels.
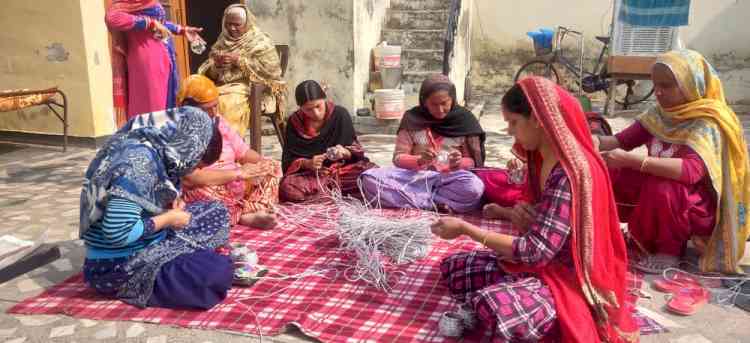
[{"x": 542, "y": 40}]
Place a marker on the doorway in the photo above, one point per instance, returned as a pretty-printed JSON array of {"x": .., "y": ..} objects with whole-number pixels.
[{"x": 208, "y": 15}]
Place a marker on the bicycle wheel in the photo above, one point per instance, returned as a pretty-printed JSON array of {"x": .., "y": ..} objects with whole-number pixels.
[
  {"x": 631, "y": 92},
  {"x": 538, "y": 68}
]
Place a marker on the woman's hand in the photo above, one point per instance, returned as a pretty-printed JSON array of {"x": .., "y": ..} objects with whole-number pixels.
[
  {"x": 522, "y": 215},
  {"x": 448, "y": 227},
  {"x": 495, "y": 211},
  {"x": 597, "y": 141},
  {"x": 619, "y": 158},
  {"x": 426, "y": 157},
  {"x": 513, "y": 164},
  {"x": 160, "y": 31},
  {"x": 191, "y": 33},
  {"x": 340, "y": 153},
  {"x": 232, "y": 58},
  {"x": 178, "y": 204},
  {"x": 315, "y": 163},
  {"x": 178, "y": 219},
  {"x": 454, "y": 158}
]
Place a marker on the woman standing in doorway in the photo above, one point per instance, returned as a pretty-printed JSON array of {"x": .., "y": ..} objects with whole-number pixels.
[{"x": 144, "y": 72}]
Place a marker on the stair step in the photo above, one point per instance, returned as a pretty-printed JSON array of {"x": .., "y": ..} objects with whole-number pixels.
[
  {"x": 421, "y": 59},
  {"x": 421, "y": 19},
  {"x": 416, "y": 39},
  {"x": 420, "y": 4}
]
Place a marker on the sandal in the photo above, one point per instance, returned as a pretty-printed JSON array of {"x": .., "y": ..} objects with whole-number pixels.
[
  {"x": 676, "y": 283},
  {"x": 688, "y": 301},
  {"x": 656, "y": 264}
]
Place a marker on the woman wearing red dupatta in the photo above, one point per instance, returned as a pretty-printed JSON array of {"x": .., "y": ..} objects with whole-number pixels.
[{"x": 568, "y": 267}]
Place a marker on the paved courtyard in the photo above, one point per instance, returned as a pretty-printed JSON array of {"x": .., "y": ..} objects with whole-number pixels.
[{"x": 39, "y": 193}]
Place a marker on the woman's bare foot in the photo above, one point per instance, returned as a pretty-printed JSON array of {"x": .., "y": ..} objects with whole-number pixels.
[
  {"x": 261, "y": 220},
  {"x": 494, "y": 211}
]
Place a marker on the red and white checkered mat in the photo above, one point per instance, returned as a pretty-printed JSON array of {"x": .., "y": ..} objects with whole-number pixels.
[{"x": 325, "y": 305}]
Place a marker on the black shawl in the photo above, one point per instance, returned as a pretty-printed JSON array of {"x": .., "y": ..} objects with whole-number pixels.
[
  {"x": 337, "y": 130},
  {"x": 459, "y": 122}
]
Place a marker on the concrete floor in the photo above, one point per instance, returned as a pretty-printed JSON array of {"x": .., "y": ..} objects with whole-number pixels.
[{"x": 39, "y": 192}]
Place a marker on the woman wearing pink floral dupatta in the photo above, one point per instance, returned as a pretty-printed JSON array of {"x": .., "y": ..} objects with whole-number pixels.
[{"x": 568, "y": 266}]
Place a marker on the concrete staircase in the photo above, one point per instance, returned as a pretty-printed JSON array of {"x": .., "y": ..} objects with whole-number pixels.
[{"x": 419, "y": 27}]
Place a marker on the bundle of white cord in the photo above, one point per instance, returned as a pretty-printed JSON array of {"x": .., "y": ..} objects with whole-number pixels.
[
  {"x": 380, "y": 241},
  {"x": 377, "y": 240}
]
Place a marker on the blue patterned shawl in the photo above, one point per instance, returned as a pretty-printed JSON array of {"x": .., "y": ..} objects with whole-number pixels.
[{"x": 144, "y": 160}]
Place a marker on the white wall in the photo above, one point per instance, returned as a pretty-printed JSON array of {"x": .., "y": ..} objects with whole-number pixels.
[
  {"x": 461, "y": 62},
  {"x": 718, "y": 29},
  {"x": 50, "y": 43},
  {"x": 369, "y": 18},
  {"x": 320, "y": 39}
]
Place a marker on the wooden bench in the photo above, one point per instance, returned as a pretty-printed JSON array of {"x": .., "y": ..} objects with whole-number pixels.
[
  {"x": 13, "y": 100},
  {"x": 256, "y": 115}
]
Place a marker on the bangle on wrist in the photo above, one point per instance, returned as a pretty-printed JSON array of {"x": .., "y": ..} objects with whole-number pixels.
[{"x": 484, "y": 237}]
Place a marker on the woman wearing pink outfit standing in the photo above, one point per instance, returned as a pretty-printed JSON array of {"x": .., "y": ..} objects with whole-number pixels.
[{"x": 144, "y": 69}]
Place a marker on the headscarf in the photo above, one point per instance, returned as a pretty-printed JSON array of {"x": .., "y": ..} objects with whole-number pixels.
[
  {"x": 119, "y": 57},
  {"x": 144, "y": 160},
  {"x": 260, "y": 62},
  {"x": 709, "y": 126},
  {"x": 459, "y": 122},
  {"x": 592, "y": 299},
  {"x": 337, "y": 130},
  {"x": 199, "y": 88}
]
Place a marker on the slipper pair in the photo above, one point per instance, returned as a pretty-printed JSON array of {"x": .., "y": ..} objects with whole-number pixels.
[{"x": 687, "y": 294}]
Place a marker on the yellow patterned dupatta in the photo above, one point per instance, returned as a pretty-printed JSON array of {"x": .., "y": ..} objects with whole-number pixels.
[
  {"x": 259, "y": 63},
  {"x": 709, "y": 126}
]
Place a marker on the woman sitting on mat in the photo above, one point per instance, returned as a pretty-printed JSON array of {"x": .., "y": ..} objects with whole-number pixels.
[
  {"x": 564, "y": 277},
  {"x": 438, "y": 141},
  {"x": 321, "y": 148},
  {"x": 694, "y": 182},
  {"x": 245, "y": 182},
  {"x": 143, "y": 245}
]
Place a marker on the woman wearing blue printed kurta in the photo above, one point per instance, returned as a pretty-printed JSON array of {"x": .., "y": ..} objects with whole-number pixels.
[{"x": 142, "y": 245}]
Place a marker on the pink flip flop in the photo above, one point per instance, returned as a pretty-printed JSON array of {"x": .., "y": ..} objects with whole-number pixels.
[
  {"x": 688, "y": 301},
  {"x": 676, "y": 283}
]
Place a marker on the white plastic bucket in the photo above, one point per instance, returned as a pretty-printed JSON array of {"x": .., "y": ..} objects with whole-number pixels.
[
  {"x": 389, "y": 103},
  {"x": 390, "y": 56},
  {"x": 390, "y": 77}
]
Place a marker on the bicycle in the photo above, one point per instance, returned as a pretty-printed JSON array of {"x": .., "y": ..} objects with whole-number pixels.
[{"x": 588, "y": 81}]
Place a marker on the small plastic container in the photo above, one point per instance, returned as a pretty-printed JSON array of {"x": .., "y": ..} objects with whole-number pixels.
[{"x": 198, "y": 46}]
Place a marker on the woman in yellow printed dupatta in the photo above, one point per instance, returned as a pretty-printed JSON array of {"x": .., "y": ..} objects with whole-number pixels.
[
  {"x": 692, "y": 118},
  {"x": 242, "y": 55}
]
